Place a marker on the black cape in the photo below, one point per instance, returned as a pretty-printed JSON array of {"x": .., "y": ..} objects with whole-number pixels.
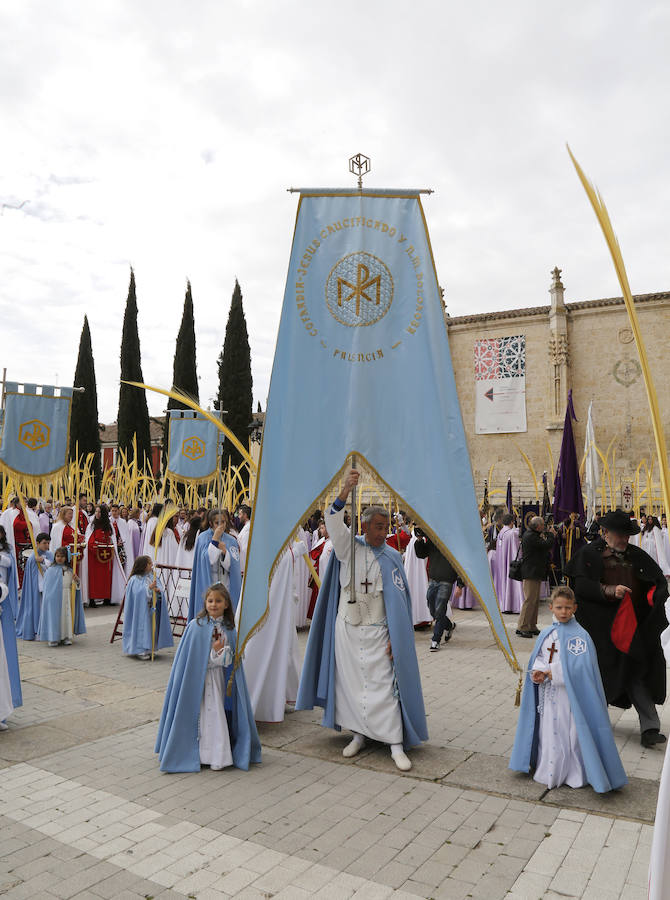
[{"x": 596, "y": 614}]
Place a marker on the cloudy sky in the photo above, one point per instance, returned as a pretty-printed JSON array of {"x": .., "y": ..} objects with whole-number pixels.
[{"x": 163, "y": 135}]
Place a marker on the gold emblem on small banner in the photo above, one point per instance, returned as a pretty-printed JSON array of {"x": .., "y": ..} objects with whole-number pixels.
[
  {"x": 34, "y": 434},
  {"x": 103, "y": 554},
  {"x": 359, "y": 289},
  {"x": 193, "y": 448}
]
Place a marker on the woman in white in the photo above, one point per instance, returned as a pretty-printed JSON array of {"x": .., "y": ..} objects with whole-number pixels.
[
  {"x": 651, "y": 541},
  {"x": 213, "y": 734},
  {"x": 184, "y": 561}
]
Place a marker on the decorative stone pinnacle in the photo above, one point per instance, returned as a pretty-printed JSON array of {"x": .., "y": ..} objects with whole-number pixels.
[{"x": 556, "y": 278}]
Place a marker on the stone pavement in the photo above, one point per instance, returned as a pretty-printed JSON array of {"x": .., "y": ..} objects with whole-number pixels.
[{"x": 85, "y": 812}]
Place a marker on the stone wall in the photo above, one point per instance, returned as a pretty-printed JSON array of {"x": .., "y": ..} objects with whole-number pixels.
[{"x": 601, "y": 364}]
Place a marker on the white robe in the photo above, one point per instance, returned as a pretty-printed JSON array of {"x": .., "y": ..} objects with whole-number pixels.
[
  {"x": 214, "y": 737},
  {"x": 243, "y": 542},
  {"x": 364, "y": 700},
  {"x": 417, "y": 578},
  {"x": 302, "y": 589},
  {"x": 659, "y": 862},
  {"x": 652, "y": 542},
  {"x": 272, "y": 655},
  {"x": 124, "y": 532},
  {"x": 559, "y": 758}
]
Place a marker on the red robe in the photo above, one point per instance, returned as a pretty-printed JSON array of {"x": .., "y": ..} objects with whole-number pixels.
[
  {"x": 100, "y": 562},
  {"x": 392, "y": 540},
  {"x": 21, "y": 543},
  {"x": 315, "y": 554}
]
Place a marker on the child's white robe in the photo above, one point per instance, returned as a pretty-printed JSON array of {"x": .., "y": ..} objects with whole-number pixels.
[
  {"x": 559, "y": 757},
  {"x": 215, "y": 749}
]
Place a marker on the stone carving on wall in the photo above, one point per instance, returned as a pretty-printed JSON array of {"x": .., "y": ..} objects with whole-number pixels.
[
  {"x": 558, "y": 349},
  {"x": 626, "y": 371},
  {"x": 625, "y": 335}
]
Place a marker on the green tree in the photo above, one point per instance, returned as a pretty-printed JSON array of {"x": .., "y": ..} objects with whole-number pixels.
[
  {"x": 235, "y": 384},
  {"x": 84, "y": 431},
  {"x": 133, "y": 415},
  {"x": 184, "y": 375}
]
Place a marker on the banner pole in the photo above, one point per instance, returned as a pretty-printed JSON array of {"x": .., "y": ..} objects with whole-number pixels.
[{"x": 352, "y": 531}]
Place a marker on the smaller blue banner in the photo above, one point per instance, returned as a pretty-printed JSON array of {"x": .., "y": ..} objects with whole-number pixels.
[
  {"x": 35, "y": 430},
  {"x": 192, "y": 447}
]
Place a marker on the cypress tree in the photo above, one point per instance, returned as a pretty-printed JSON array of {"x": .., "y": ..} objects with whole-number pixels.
[
  {"x": 133, "y": 415},
  {"x": 84, "y": 431},
  {"x": 184, "y": 375},
  {"x": 235, "y": 384}
]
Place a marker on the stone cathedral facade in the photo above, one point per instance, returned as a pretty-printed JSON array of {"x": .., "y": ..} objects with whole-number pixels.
[{"x": 586, "y": 346}]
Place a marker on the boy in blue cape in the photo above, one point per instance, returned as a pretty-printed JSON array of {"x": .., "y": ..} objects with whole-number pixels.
[
  {"x": 564, "y": 731},
  {"x": 216, "y": 557},
  {"x": 360, "y": 663},
  {"x": 30, "y": 608}
]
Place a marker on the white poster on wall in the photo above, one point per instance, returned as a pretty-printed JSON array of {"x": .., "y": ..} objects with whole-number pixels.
[{"x": 500, "y": 385}]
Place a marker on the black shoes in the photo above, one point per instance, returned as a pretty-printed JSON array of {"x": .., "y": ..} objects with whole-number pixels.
[
  {"x": 652, "y": 736},
  {"x": 448, "y": 632},
  {"x": 527, "y": 634}
]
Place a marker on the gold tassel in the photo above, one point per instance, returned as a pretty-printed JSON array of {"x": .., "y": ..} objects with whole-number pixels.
[{"x": 517, "y": 698}]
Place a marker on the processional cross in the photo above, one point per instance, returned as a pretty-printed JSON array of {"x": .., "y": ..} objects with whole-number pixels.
[{"x": 366, "y": 584}]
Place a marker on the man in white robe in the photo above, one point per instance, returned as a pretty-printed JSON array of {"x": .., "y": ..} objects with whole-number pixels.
[
  {"x": 365, "y": 702},
  {"x": 244, "y": 515},
  {"x": 124, "y": 541}
]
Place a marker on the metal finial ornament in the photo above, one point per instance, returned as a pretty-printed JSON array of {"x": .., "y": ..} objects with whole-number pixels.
[{"x": 360, "y": 165}]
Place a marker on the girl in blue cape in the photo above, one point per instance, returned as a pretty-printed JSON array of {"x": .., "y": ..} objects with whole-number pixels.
[
  {"x": 216, "y": 558},
  {"x": 56, "y": 625},
  {"x": 139, "y": 612},
  {"x": 199, "y": 723},
  {"x": 30, "y": 608},
  {"x": 564, "y": 731}
]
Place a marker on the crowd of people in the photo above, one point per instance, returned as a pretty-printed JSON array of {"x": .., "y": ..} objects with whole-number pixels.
[{"x": 603, "y": 646}]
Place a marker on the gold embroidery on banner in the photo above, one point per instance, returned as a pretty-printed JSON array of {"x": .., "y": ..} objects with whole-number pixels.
[
  {"x": 359, "y": 289},
  {"x": 34, "y": 434}
]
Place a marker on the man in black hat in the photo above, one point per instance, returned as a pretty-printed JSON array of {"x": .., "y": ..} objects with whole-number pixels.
[{"x": 621, "y": 592}]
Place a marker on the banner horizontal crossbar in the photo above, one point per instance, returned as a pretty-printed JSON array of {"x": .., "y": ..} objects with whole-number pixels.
[
  {"x": 44, "y": 390},
  {"x": 366, "y": 192}
]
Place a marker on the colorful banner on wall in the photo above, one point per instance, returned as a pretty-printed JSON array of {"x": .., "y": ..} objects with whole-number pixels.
[
  {"x": 35, "y": 440},
  {"x": 193, "y": 446},
  {"x": 362, "y": 314},
  {"x": 500, "y": 385}
]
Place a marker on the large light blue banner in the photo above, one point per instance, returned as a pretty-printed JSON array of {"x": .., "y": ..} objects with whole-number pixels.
[
  {"x": 35, "y": 429},
  {"x": 362, "y": 314},
  {"x": 192, "y": 447}
]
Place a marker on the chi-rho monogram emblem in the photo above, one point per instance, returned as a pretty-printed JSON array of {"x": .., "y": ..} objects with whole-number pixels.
[
  {"x": 193, "y": 448},
  {"x": 34, "y": 434},
  {"x": 397, "y": 580},
  {"x": 359, "y": 289},
  {"x": 577, "y": 646},
  {"x": 235, "y": 553}
]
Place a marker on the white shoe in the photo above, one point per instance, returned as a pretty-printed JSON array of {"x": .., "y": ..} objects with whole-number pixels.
[
  {"x": 216, "y": 768},
  {"x": 67, "y": 642},
  {"x": 4, "y": 726},
  {"x": 53, "y": 643},
  {"x": 353, "y": 747},
  {"x": 402, "y": 761},
  {"x": 434, "y": 646},
  {"x": 144, "y": 655}
]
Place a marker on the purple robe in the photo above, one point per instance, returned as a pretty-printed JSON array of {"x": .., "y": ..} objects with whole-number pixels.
[
  {"x": 467, "y": 600},
  {"x": 509, "y": 592}
]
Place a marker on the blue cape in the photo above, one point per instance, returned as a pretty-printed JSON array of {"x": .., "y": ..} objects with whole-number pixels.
[
  {"x": 317, "y": 682},
  {"x": 49, "y": 627},
  {"x": 137, "y": 616},
  {"x": 7, "y": 616},
  {"x": 587, "y": 703},
  {"x": 28, "y": 619},
  {"x": 201, "y": 574},
  {"x": 177, "y": 740}
]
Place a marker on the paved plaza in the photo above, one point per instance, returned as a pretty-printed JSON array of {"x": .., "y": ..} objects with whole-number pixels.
[{"x": 85, "y": 812}]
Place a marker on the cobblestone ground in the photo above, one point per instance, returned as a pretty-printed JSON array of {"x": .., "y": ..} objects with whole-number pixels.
[{"x": 84, "y": 811}]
